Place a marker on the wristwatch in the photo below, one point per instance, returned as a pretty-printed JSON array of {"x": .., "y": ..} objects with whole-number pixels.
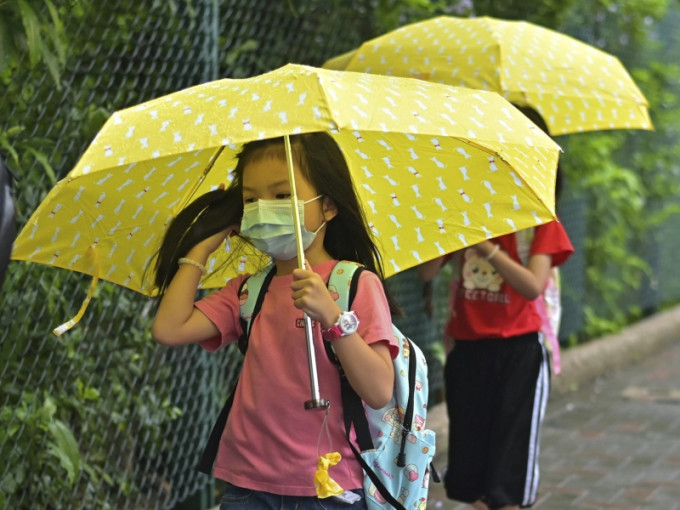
[{"x": 347, "y": 323}]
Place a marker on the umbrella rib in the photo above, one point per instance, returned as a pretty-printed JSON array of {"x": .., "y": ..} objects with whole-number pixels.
[
  {"x": 498, "y": 152},
  {"x": 206, "y": 171}
]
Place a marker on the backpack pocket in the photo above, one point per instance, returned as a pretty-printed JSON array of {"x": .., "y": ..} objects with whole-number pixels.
[{"x": 408, "y": 484}]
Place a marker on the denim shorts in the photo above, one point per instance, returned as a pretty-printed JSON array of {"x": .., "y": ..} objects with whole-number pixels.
[{"x": 235, "y": 497}]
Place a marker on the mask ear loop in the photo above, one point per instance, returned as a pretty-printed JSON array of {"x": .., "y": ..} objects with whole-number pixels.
[
  {"x": 325, "y": 486},
  {"x": 312, "y": 199},
  {"x": 323, "y": 213}
]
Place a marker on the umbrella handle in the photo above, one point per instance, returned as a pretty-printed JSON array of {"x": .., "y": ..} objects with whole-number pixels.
[{"x": 316, "y": 401}]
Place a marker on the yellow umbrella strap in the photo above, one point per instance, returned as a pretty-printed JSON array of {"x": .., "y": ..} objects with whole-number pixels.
[
  {"x": 323, "y": 483},
  {"x": 63, "y": 328}
]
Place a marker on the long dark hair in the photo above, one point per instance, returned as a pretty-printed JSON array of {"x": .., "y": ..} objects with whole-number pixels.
[
  {"x": 205, "y": 216},
  {"x": 321, "y": 162}
]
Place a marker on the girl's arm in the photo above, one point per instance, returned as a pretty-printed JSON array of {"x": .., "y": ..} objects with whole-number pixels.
[
  {"x": 368, "y": 367},
  {"x": 428, "y": 270},
  {"x": 177, "y": 322},
  {"x": 528, "y": 281}
]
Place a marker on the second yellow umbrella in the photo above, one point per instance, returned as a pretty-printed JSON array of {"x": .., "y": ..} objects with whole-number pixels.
[{"x": 574, "y": 86}]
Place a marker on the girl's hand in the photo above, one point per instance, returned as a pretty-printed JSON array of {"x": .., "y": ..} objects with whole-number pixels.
[
  {"x": 485, "y": 248},
  {"x": 311, "y": 295},
  {"x": 528, "y": 281},
  {"x": 202, "y": 250}
]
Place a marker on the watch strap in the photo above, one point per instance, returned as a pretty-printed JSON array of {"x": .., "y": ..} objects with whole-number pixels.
[
  {"x": 332, "y": 333},
  {"x": 336, "y": 331}
]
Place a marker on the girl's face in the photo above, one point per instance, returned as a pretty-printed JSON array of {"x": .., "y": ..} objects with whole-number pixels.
[{"x": 267, "y": 178}]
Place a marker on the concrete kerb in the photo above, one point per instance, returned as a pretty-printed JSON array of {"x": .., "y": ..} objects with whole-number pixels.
[{"x": 586, "y": 362}]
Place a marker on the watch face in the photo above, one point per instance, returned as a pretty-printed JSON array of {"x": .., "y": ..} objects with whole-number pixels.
[{"x": 349, "y": 323}]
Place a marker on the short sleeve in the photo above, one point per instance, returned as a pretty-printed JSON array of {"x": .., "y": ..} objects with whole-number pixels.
[
  {"x": 552, "y": 239},
  {"x": 375, "y": 320},
  {"x": 222, "y": 307}
]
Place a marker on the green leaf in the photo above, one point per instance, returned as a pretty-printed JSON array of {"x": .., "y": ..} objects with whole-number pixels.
[
  {"x": 65, "y": 449},
  {"x": 53, "y": 66},
  {"x": 86, "y": 392},
  {"x": 57, "y": 31},
  {"x": 48, "y": 408},
  {"x": 14, "y": 130},
  {"x": 42, "y": 158},
  {"x": 6, "y": 44},
  {"x": 32, "y": 29}
]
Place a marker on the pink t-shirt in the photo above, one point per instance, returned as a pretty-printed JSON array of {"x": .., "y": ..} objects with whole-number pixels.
[{"x": 270, "y": 440}]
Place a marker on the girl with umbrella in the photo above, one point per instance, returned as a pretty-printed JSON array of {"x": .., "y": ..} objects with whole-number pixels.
[
  {"x": 269, "y": 449},
  {"x": 497, "y": 373}
]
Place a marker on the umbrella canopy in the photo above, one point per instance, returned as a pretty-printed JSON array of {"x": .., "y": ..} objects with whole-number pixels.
[
  {"x": 574, "y": 86},
  {"x": 437, "y": 168}
]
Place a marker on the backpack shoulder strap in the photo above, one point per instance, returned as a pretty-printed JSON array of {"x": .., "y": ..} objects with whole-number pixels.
[
  {"x": 254, "y": 287},
  {"x": 344, "y": 280}
]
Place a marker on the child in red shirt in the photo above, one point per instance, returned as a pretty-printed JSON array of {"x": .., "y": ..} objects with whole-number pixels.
[{"x": 497, "y": 374}]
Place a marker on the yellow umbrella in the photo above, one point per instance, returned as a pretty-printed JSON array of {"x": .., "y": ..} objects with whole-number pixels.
[
  {"x": 340, "y": 62},
  {"x": 437, "y": 168},
  {"x": 574, "y": 86}
]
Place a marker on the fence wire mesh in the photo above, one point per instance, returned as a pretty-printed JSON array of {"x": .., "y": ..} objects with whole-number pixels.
[{"x": 101, "y": 417}]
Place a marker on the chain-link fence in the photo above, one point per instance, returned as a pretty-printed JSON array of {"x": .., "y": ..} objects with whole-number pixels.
[{"x": 102, "y": 417}]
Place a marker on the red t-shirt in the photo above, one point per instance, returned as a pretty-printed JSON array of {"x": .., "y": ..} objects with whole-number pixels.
[{"x": 484, "y": 305}]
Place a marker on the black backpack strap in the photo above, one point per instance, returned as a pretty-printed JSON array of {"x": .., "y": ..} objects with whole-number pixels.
[
  {"x": 352, "y": 406},
  {"x": 205, "y": 465},
  {"x": 357, "y": 416},
  {"x": 408, "y": 413},
  {"x": 384, "y": 492}
]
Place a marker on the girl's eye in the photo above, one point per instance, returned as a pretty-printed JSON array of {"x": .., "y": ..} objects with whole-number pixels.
[
  {"x": 282, "y": 196},
  {"x": 249, "y": 200}
]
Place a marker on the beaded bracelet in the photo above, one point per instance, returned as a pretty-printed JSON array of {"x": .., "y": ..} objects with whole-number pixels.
[
  {"x": 493, "y": 252},
  {"x": 192, "y": 262}
]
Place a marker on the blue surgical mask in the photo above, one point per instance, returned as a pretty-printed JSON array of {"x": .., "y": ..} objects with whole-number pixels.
[{"x": 270, "y": 226}]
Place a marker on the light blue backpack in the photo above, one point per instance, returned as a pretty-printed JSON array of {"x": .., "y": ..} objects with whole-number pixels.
[{"x": 393, "y": 445}]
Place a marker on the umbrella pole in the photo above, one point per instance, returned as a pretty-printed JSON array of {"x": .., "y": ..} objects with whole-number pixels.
[{"x": 316, "y": 401}]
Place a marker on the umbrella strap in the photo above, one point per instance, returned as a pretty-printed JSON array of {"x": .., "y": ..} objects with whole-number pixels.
[{"x": 63, "y": 328}]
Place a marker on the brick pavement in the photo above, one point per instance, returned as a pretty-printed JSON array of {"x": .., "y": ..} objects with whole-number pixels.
[{"x": 611, "y": 436}]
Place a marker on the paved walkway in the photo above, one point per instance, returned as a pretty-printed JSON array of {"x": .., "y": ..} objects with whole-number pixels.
[{"x": 611, "y": 437}]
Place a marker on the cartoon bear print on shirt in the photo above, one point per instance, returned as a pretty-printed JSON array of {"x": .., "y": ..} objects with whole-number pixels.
[{"x": 478, "y": 273}]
